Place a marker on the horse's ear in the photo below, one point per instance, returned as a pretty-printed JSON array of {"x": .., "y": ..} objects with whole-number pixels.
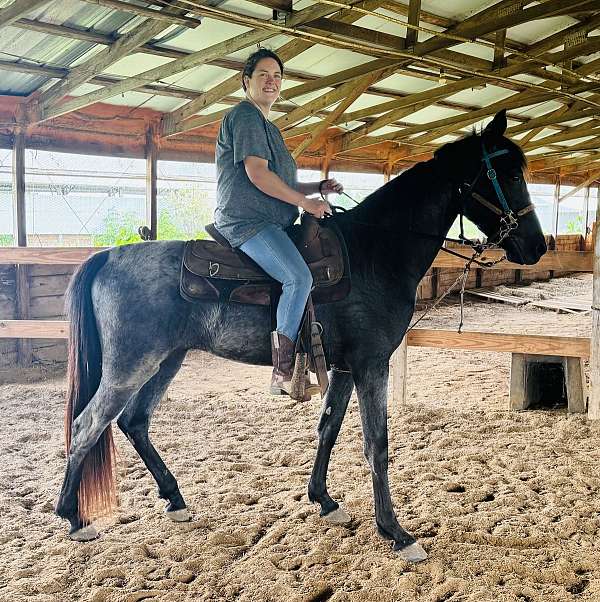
[{"x": 497, "y": 126}]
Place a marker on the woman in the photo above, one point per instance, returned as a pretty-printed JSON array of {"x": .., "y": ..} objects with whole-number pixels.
[{"x": 258, "y": 196}]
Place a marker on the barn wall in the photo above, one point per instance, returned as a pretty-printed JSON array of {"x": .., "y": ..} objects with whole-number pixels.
[{"x": 47, "y": 286}]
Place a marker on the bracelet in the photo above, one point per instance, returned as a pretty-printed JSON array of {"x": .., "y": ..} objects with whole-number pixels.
[{"x": 321, "y": 186}]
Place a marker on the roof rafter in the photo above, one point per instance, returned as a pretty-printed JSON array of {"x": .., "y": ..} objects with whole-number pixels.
[
  {"x": 13, "y": 12},
  {"x": 99, "y": 62}
]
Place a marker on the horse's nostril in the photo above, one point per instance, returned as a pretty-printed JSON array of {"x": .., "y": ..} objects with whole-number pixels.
[{"x": 542, "y": 248}]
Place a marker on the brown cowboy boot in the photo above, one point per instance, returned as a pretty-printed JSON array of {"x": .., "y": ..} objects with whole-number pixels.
[{"x": 283, "y": 355}]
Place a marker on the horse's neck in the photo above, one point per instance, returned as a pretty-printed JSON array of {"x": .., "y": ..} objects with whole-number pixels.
[{"x": 405, "y": 221}]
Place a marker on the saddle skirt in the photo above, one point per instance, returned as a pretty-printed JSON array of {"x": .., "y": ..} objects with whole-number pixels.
[{"x": 213, "y": 272}]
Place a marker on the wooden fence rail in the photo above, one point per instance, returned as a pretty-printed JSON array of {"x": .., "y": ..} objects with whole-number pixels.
[{"x": 561, "y": 261}]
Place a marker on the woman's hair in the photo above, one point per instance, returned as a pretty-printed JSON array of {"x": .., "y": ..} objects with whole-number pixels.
[{"x": 254, "y": 58}]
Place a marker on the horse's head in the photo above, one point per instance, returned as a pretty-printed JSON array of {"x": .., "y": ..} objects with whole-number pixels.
[{"x": 495, "y": 196}]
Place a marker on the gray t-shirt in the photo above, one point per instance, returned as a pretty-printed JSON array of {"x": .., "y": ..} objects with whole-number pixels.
[{"x": 242, "y": 209}]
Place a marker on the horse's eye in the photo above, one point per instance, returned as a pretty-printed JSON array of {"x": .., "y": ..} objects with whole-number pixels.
[{"x": 516, "y": 178}]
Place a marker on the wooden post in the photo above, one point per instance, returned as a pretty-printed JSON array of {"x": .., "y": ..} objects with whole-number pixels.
[
  {"x": 326, "y": 160},
  {"x": 399, "y": 375},
  {"x": 24, "y": 347},
  {"x": 586, "y": 209},
  {"x": 151, "y": 177},
  {"x": 594, "y": 402},
  {"x": 556, "y": 207}
]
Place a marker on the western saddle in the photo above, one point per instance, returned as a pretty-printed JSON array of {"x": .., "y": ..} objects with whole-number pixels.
[{"x": 215, "y": 271}]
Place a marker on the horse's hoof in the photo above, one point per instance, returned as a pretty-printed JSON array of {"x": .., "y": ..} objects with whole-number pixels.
[
  {"x": 86, "y": 533},
  {"x": 412, "y": 553},
  {"x": 178, "y": 516},
  {"x": 337, "y": 517}
]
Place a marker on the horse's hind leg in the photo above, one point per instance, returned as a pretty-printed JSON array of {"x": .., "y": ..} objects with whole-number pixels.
[
  {"x": 135, "y": 422},
  {"x": 106, "y": 404},
  {"x": 332, "y": 415}
]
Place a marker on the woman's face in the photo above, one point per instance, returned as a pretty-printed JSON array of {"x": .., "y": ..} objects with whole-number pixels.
[{"x": 265, "y": 83}]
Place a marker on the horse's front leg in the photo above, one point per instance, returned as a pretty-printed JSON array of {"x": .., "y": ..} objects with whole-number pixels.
[
  {"x": 332, "y": 415},
  {"x": 371, "y": 381}
]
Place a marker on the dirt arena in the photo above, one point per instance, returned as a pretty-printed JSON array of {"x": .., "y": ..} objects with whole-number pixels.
[{"x": 506, "y": 504}]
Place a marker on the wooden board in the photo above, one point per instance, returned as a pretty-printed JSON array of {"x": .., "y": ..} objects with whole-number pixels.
[
  {"x": 46, "y": 255},
  {"x": 34, "y": 329},
  {"x": 568, "y": 261},
  {"x": 47, "y": 286},
  {"x": 492, "y": 341},
  {"x": 488, "y": 293},
  {"x": 572, "y": 306}
]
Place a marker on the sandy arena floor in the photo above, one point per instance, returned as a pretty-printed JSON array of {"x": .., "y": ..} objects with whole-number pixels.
[{"x": 506, "y": 504}]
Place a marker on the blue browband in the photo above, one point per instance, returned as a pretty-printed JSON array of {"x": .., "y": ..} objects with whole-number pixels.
[{"x": 491, "y": 174}]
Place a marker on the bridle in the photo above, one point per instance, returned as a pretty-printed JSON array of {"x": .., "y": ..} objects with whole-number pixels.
[{"x": 508, "y": 218}]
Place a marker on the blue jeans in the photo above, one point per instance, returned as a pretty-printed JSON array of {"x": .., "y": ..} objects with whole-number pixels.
[{"x": 273, "y": 250}]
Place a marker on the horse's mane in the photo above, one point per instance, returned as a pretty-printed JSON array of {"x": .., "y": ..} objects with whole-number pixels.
[{"x": 445, "y": 157}]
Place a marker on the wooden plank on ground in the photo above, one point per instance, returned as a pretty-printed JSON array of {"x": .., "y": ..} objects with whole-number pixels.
[
  {"x": 489, "y": 293},
  {"x": 574, "y": 306},
  {"x": 499, "y": 342}
]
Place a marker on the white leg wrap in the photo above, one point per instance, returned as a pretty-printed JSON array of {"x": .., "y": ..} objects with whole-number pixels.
[
  {"x": 338, "y": 517},
  {"x": 86, "y": 533},
  {"x": 179, "y": 516},
  {"x": 413, "y": 553}
]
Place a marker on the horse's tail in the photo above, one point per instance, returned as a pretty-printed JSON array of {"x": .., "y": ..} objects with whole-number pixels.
[{"x": 97, "y": 491}]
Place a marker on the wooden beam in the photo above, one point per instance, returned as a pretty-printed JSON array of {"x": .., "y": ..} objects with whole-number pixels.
[
  {"x": 581, "y": 131},
  {"x": 565, "y": 261},
  {"x": 34, "y": 329},
  {"x": 591, "y": 178},
  {"x": 151, "y": 178},
  {"x": 555, "y": 207},
  {"x": 46, "y": 255},
  {"x": 136, "y": 9},
  {"x": 177, "y": 66},
  {"x": 184, "y": 63},
  {"x": 95, "y": 65},
  {"x": 500, "y": 342},
  {"x": 419, "y": 337},
  {"x": 349, "y": 92},
  {"x": 18, "y": 181},
  {"x": 499, "y": 49},
  {"x": 414, "y": 18},
  {"x": 13, "y": 12},
  {"x": 594, "y": 401}
]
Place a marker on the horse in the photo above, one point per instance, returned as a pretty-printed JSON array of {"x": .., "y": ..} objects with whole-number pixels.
[{"x": 130, "y": 329}]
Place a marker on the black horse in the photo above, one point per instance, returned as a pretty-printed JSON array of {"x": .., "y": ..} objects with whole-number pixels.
[{"x": 130, "y": 329}]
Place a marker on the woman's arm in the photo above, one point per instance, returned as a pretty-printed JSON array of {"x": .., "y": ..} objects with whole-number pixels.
[
  {"x": 322, "y": 187},
  {"x": 307, "y": 188},
  {"x": 270, "y": 183}
]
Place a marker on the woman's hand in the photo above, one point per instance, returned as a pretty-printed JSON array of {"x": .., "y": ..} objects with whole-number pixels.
[
  {"x": 317, "y": 207},
  {"x": 329, "y": 186}
]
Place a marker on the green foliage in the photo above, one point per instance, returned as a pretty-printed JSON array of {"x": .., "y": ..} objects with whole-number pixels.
[
  {"x": 182, "y": 215},
  {"x": 7, "y": 240},
  {"x": 575, "y": 226}
]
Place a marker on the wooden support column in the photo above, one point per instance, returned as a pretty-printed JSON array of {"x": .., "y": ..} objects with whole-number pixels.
[
  {"x": 555, "y": 207},
  {"x": 326, "y": 160},
  {"x": 151, "y": 177},
  {"x": 586, "y": 210},
  {"x": 24, "y": 347},
  {"x": 399, "y": 369},
  {"x": 594, "y": 400}
]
